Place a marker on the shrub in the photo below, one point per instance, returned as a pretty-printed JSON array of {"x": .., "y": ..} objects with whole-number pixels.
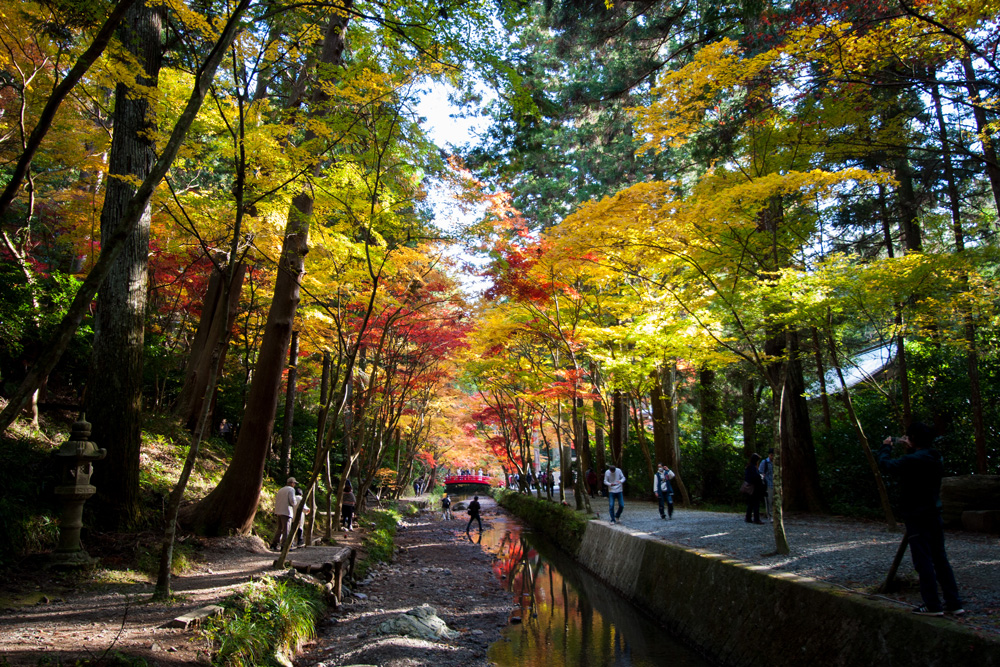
[
  {"x": 27, "y": 505},
  {"x": 380, "y": 540},
  {"x": 558, "y": 522},
  {"x": 269, "y": 618}
]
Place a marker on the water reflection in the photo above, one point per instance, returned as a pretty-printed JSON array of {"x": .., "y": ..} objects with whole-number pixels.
[{"x": 568, "y": 617}]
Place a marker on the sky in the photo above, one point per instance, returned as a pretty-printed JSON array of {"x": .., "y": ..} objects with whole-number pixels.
[
  {"x": 448, "y": 130},
  {"x": 443, "y": 125}
]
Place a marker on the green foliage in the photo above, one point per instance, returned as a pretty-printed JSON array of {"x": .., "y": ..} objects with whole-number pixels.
[
  {"x": 148, "y": 559},
  {"x": 23, "y": 328},
  {"x": 270, "y": 617},
  {"x": 556, "y": 521},
  {"x": 27, "y": 506},
  {"x": 635, "y": 469},
  {"x": 940, "y": 391},
  {"x": 379, "y": 540},
  {"x": 303, "y": 451}
]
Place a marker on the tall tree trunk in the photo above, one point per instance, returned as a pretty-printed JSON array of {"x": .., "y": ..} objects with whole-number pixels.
[
  {"x": 216, "y": 323},
  {"x": 324, "y": 410},
  {"x": 619, "y": 427},
  {"x": 906, "y": 200},
  {"x": 972, "y": 354},
  {"x": 599, "y": 446},
  {"x": 907, "y": 204},
  {"x": 286, "y": 431},
  {"x": 114, "y": 391},
  {"x": 821, "y": 373},
  {"x": 712, "y": 459},
  {"x": 904, "y": 380},
  {"x": 583, "y": 441},
  {"x": 883, "y": 210},
  {"x": 748, "y": 403},
  {"x": 777, "y": 502},
  {"x": 640, "y": 434},
  {"x": 799, "y": 470},
  {"x": 231, "y": 506},
  {"x": 983, "y": 127},
  {"x": 664, "y": 431},
  {"x": 902, "y": 368}
]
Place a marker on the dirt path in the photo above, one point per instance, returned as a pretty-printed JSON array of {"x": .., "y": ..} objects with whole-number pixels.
[
  {"x": 437, "y": 564},
  {"x": 47, "y": 616}
]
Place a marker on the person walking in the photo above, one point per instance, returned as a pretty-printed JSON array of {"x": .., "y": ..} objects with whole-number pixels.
[
  {"x": 347, "y": 508},
  {"x": 919, "y": 471},
  {"x": 474, "y": 514},
  {"x": 766, "y": 470},
  {"x": 284, "y": 507},
  {"x": 226, "y": 431},
  {"x": 753, "y": 478},
  {"x": 664, "y": 489},
  {"x": 446, "y": 508},
  {"x": 613, "y": 479}
]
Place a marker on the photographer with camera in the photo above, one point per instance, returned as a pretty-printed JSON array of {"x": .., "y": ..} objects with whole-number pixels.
[{"x": 919, "y": 472}]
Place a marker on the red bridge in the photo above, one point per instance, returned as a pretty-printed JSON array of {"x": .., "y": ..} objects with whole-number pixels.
[{"x": 458, "y": 480}]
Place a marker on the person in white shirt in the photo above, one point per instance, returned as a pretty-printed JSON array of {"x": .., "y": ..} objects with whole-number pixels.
[
  {"x": 664, "y": 490},
  {"x": 613, "y": 479},
  {"x": 300, "y": 526},
  {"x": 284, "y": 508}
]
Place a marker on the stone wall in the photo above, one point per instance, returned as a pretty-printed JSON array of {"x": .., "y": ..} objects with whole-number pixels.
[{"x": 741, "y": 615}]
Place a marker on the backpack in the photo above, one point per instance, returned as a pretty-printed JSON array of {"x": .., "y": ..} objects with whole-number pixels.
[{"x": 660, "y": 479}]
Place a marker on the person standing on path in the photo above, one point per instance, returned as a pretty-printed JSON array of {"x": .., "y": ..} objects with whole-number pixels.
[
  {"x": 613, "y": 479},
  {"x": 300, "y": 526},
  {"x": 474, "y": 514},
  {"x": 766, "y": 470},
  {"x": 919, "y": 472},
  {"x": 664, "y": 489},
  {"x": 347, "y": 508},
  {"x": 446, "y": 508},
  {"x": 284, "y": 506},
  {"x": 752, "y": 477}
]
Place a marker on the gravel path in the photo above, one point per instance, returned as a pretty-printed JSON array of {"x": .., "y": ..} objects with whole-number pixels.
[
  {"x": 850, "y": 553},
  {"x": 438, "y": 564}
]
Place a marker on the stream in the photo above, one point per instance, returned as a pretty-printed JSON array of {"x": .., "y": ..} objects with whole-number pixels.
[{"x": 565, "y": 615}]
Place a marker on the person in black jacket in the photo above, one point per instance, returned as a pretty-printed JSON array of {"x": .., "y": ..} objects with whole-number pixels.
[
  {"x": 919, "y": 472},
  {"x": 474, "y": 514},
  {"x": 752, "y": 477}
]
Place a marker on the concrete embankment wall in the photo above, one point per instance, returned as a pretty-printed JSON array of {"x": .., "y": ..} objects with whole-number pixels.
[{"x": 741, "y": 615}]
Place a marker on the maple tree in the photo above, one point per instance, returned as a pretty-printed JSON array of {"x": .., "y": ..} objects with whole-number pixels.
[{"x": 692, "y": 214}]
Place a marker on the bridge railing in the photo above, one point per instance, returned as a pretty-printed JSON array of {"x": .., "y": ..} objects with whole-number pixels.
[{"x": 468, "y": 479}]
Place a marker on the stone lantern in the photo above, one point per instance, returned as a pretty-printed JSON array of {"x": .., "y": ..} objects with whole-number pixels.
[{"x": 77, "y": 456}]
